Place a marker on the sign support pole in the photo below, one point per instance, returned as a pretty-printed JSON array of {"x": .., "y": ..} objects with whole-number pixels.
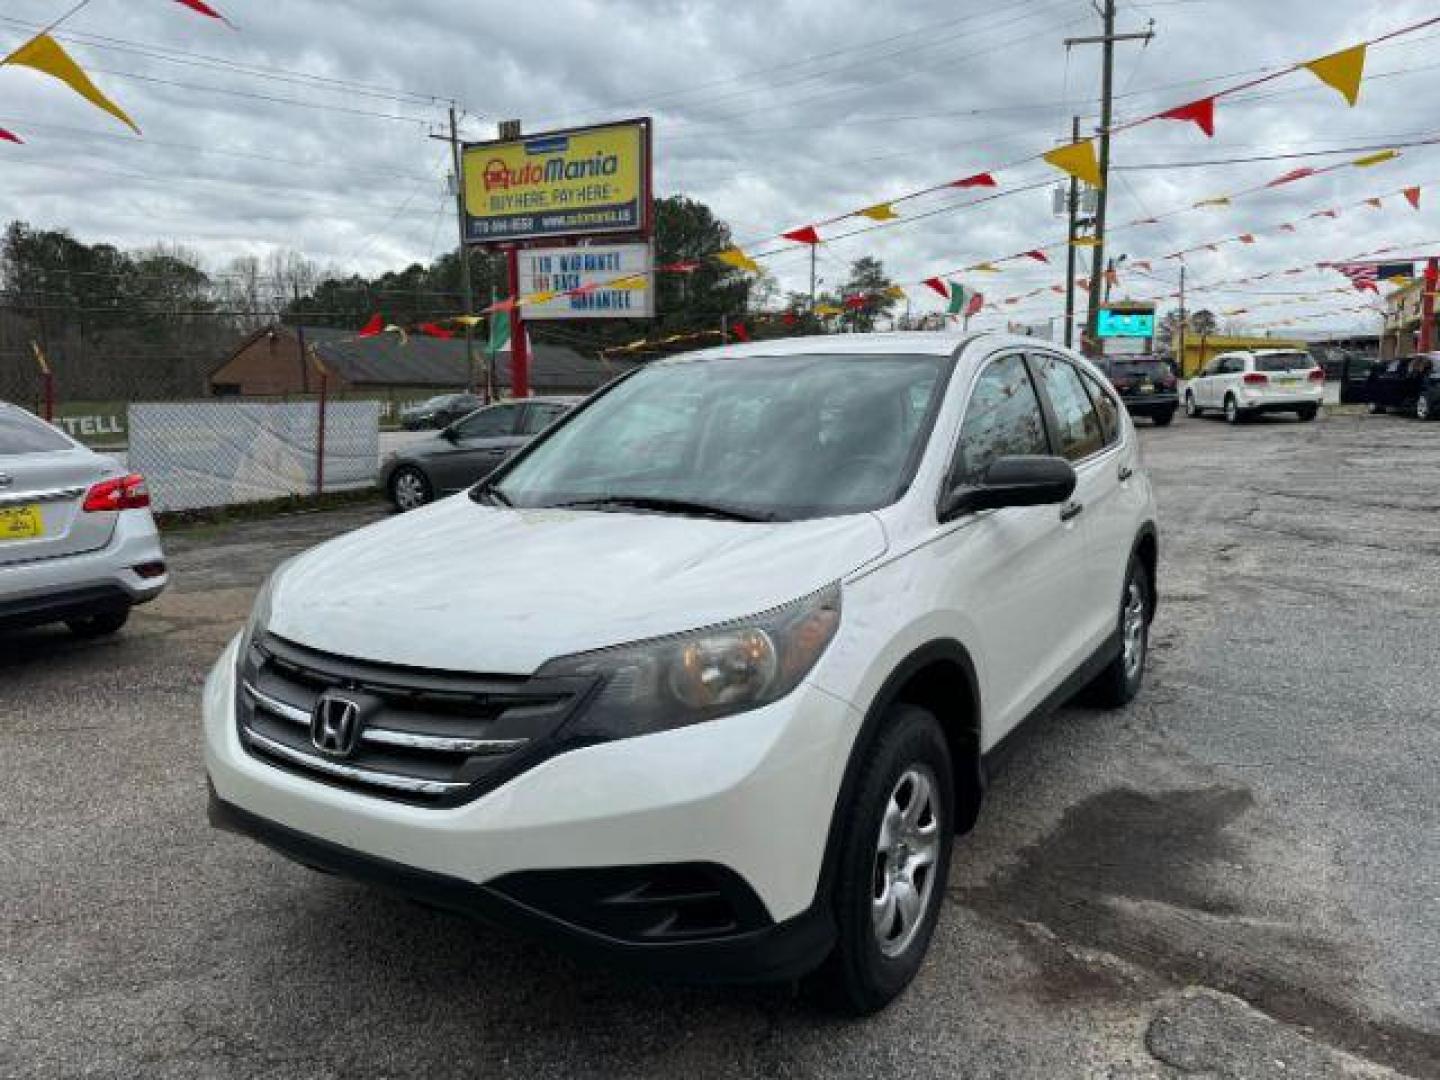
[
  {"x": 519, "y": 347},
  {"x": 1427, "y": 306}
]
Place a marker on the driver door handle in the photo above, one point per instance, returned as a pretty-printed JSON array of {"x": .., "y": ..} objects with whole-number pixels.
[{"x": 1070, "y": 511}]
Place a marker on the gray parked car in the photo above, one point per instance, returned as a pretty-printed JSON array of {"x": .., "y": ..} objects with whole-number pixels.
[
  {"x": 467, "y": 451},
  {"x": 77, "y": 542},
  {"x": 438, "y": 412}
]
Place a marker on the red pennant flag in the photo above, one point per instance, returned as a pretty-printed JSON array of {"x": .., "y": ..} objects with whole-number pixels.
[
  {"x": 1326, "y": 213},
  {"x": 983, "y": 179},
  {"x": 1295, "y": 174},
  {"x": 204, "y": 9},
  {"x": 1201, "y": 113},
  {"x": 436, "y": 330},
  {"x": 741, "y": 334},
  {"x": 807, "y": 235},
  {"x": 1412, "y": 196},
  {"x": 1287, "y": 227},
  {"x": 1142, "y": 265},
  {"x": 1037, "y": 255},
  {"x": 1057, "y": 288},
  {"x": 684, "y": 266},
  {"x": 1246, "y": 238},
  {"x": 507, "y": 304},
  {"x": 373, "y": 328},
  {"x": 977, "y": 301},
  {"x": 9, "y": 136},
  {"x": 1375, "y": 202},
  {"x": 938, "y": 285},
  {"x": 788, "y": 318},
  {"x": 854, "y": 303}
]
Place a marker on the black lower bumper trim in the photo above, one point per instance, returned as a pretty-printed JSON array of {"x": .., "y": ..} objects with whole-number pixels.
[
  {"x": 63, "y": 604},
  {"x": 777, "y": 953}
]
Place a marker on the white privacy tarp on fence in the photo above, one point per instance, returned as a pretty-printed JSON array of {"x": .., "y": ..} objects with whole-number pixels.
[{"x": 216, "y": 453}]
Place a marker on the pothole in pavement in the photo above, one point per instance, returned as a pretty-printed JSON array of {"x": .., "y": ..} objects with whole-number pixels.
[{"x": 1187, "y": 885}]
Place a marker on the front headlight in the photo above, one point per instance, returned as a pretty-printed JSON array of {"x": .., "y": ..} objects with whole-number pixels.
[
  {"x": 683, "y": 679},
  {"x": 259, "y": 618}
]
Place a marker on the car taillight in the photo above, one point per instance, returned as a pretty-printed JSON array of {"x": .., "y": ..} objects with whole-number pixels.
[
  {"x": 1255, "y": 378},
  {"x": 118, "y": 493},
  {"x": 1167, "y": 381},
  {"x": 1316, "y": 375}
]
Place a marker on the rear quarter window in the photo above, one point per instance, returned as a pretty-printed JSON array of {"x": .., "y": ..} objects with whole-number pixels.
[{"x": 21, "y": 433}]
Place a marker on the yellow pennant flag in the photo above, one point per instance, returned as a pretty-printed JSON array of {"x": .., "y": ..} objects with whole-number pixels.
[
  {"x": 634, "y": 281},
  {"x": 895, "y": 292},
  {"x": 828, "y": 309},
  {"x": 738, "y": 259},
  {"x": 469, "y": 320},
  {"x": 986, "y": 268},
  {"x": 543, "y": 297},
  {"x": 1219, "y": 200},
  {"x": 1342, "y": 70},
  {"x": 43, "y": 53},
  {"x": 1077, "y": 159},
  {"x": 1375, "y": 159},
  {"x": 879, "y": 212},
  {"x": 1085, "y": 241}
]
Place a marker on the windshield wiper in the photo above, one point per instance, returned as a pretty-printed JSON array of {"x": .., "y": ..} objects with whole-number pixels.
[
  {"x": 495, "y": 494},
  {"x": 663, "y": 506}
]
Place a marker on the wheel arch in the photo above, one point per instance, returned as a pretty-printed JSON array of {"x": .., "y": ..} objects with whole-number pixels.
[
  {"x": 1146, "y": 549},
  {"x": 938, "y": 676}
]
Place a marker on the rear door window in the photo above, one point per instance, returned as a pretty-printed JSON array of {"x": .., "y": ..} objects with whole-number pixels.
[
  {"x": 1078, "y": 430},
  {"x": 488, "y": 423},
  {"x": 1105, "y": 408},
  {"x": 21, "y": 433}
]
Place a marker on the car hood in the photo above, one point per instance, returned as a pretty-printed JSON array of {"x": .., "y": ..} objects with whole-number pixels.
[{"x": 466, "y": 587}]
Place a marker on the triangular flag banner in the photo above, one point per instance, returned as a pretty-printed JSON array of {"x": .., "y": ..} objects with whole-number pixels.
[
  {"x": 1375, "y": 159},
  {"x": 43, "y": 53},
  {"x": 203, "y": 8},
  {"x": 1412, "y": 196},
  {"x": 1293, "y": 175},
  {"x": 1037, "y": 255},
  {"x": 983, "y": 179},
  {"x": 1218, "y": 200},
  {"x": 1287, "y": 227},
  {"x": 685, "y": 266},
  {"x": 1376, "y": 203},
  {"x": 854, "y": 303},
  {"x": 375, "y": 326},
  {"x": 987, "y": 268},
  {"x": 828, "y": 309},
  {"x": 1326, "y": 213},
  {"x": 741, "y": 334},
  {"x": 543, "y": 297},
  {"x": 938, "y": 284},
  {"x": 1085, "y": 241},
  {"x": 977, "y": 301},
  {"x": 788, "y": 318},
  {"x": 738, "y": 259},
  {"x": 9, "y": 136},
  {"x": 879, "y": 212},
  {"x": 1246, "y": 238},
  {"x": 957, "y": 299},
  {"x": 436, "y": 330},
  {"x": 1078, "y": 160},
  {"x": 807, "y": 235},
  {"x": 1057, "y": 288},
  {"x": 895, "y": 292},
  {"x": 1201, "y": 113},
  {"x": 1342, "y": 71},
  {"x": 1142, "y": 264},
  {"x": 469, "y": 320}
]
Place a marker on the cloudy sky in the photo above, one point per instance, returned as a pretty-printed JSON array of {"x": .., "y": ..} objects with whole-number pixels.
[{"x": 307, "y": 126}]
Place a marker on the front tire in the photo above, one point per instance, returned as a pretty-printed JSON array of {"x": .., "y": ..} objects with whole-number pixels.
[
  {"x": 1118, "y": 684},
  {"x": 410, "y": 488},
  {"x": 101, "y": 624},
  {"x": 1232, "y": 410},
  {"x": 1191, "y": 409},
  {"x": 1424, "y": 410},
  {"x": 1309, "y": 412},
  {"x": 893, "y": 865}
]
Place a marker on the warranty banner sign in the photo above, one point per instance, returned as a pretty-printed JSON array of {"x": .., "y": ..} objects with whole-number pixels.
[
  {"x": 597, "y": 281},
  {"x": 581, "y": 182}
]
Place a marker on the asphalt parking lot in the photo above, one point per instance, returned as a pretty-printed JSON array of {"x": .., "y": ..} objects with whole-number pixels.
[{"x": 1237, "y": 876}]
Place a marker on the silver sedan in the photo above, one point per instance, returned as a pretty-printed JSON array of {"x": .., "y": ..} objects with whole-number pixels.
[{"x": 78, "y": 544}]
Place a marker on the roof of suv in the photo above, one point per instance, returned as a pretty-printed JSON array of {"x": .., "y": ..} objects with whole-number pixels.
[{"x": 913, "y": 343}]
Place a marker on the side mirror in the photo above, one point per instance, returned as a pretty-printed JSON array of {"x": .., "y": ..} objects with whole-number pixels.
[
  {"x": 449, "y": 434},
  {"x": 1030, "y": 480}
]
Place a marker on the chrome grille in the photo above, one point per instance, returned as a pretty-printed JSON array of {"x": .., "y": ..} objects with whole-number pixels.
[{"x": 426, "y": 736}]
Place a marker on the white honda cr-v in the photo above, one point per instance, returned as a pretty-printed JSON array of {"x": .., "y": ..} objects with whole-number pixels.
[{"x": 706, "y": 679}]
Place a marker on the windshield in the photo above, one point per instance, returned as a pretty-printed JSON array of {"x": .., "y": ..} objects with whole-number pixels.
[
  {"x": 434, "y": 402},
  {"x": 1290, "y": 361},
  {"x": 763, "y": 437}
]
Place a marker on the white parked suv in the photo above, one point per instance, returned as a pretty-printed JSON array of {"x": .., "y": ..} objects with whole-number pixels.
[
  {"x": 706, "y": 678},
  {"x": 1244, "y": 384}
]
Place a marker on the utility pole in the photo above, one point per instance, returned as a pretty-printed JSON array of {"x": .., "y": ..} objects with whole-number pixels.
[
  {"x": 1180, "y": 328},
  {"x": 1074, "y": 209},
  {"x": 1107, "y": 80},
  {"x": 812, "y": 277},
  {"x": 466, "y": 288}
]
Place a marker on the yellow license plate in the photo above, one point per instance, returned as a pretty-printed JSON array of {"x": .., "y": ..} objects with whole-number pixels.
[{"x": 21, "y": 522}]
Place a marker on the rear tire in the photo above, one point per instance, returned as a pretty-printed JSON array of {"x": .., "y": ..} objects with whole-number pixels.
[
  {"x": 1232, "y": 410},
  {"x": 1309, "y": 412},
  {"x": 893, "y": 866},
  {"x": 1163, "y": 419},
  {"x": 101, "y": 624},
  {"x": 410, "y": 488},
  {"x": 1424, "y": 410},
  {"x": 1118, "y": 684},
  {"x": 1376, "y": 409}
]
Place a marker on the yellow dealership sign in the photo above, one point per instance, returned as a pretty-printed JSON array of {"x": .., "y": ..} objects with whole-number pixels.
[{"x": 581, "y": 182}]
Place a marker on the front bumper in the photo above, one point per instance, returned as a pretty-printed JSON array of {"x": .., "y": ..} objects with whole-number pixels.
[
  {"x": 747, "y": 799},
  {"x": 70, "y": 586}
]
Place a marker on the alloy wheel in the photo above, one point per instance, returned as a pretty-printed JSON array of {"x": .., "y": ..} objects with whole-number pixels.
[
  {"x": 906, "y": 851},
  {"x": 1422, "y": 407},
  {"x": 410, "y": 490},
  {"x": 1133, "y": 630}
]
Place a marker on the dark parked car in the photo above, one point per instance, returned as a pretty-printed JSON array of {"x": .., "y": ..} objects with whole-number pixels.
[
  {"x": 466, "y": 451},
  {"x": 1406, "y": 384},
  {"x": 1147, "y": 385},
  {"x": 440, "y": 411}
]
